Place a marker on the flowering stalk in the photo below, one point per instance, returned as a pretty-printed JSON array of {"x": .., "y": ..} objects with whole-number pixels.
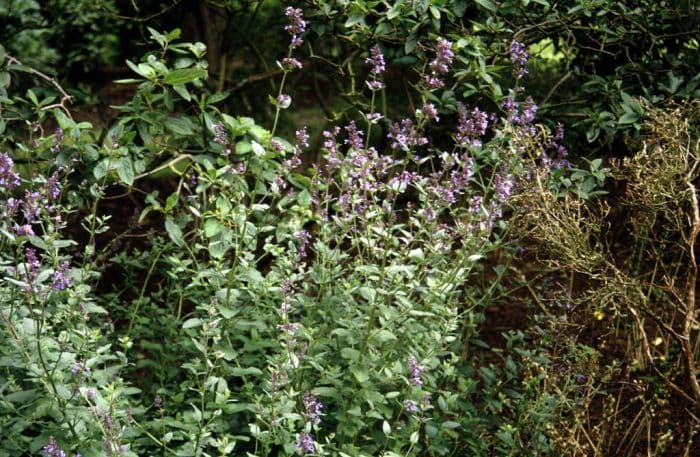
[{"x": 295, "y": 28}]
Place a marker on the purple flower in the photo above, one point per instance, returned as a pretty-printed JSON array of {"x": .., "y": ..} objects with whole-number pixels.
[
  {"x": 60, "y": 280},
  {"x": 283, "y": 101},
  {"x": 354, "y": 139},
  {"x": 405, "y": 135},
  {"x": 53, "y": 187},
  {"x": 529, "y": 110},
  {"x": 375, "y": 84},
  {"x": 9, "y": 179},
  {"x": 304, "y": 238},
  {"x": 415, "y": 371},
  {"x": 220, "y": 136},
  {"x": 58, "y": 137},
  {"x": 312, "y": 408},
  {"x": 290, "y": 63},
  {"x": 305, "y": 443},
  {"x": 297, "y": 25},
  {"x": 430, "y": 112},
  {"x": 31, "y": 206},
  {"x": 276, "y": 145},
  {"x": 519, "y": 57},
  {"x": 373, "y": 117},
  {"x": 376, "y": 60},
  {"x": 52, "y": 449},
  {"x": 24, "y": 230},
  {"x": 503, "y": 185},
  {"x": 441, "y": 64},
  {"x": 290, "y": 327},
  {"x": 471, "y": 126},
  {"x": 302, "y": 138},
  {"x": 410, "y": 406}
]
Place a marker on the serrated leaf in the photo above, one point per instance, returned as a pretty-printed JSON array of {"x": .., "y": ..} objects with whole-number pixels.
[
  {"x": 174, "y": 231},
  {"x": 125, "y": 171},
  {"x": 183, "y": 76},
  {"x": 487, "y": 4},
  {"x": 179, "y": 126}
]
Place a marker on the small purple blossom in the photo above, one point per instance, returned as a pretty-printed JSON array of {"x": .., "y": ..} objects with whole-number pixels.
[
  {"x": 376, "y": 61},
  {"x": 302, "y": 137},
  {"x": 31, "y": 206},
  {"x": 410, "y": 406},
  {"x": 283, "y": 101},
  {"x": 290, "y": 63},
  {"x": 373, "y": 117},
  {"x": 289, "y": 327},
  {"x": 430, "y": 112},
  {"x": 221, "y": 137},
  {"x": 52, "y": 450},
  {"x": 519, "y": 58},
  {"x": 306, "y": 444},
  {"x": 60, "y": 280},
  {"x": 304, "y": 238},
  {"x": 276, "y": 145},
  {"x": 297, "y": 25},
  {"x": 441, "y": 64},
  {"x": 375, "y": 85},
  {"x": 9, "y": 179},
  {"x": 472, "y": 126},
  {"x": 53, "y": 186},
  {"x": 24, "y": 230},
  {"x": 312, "y": 408},
  {"x": 57, "y": 139},
  {"x": 529, "y": 110},
  {"x": 354, "y": 139},
  {"x": 404, "y": 135},
  {"x": 415, "y": 371}
]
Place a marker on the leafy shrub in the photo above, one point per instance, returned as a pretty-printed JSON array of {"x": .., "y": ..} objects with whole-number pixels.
[{"x": 184, "y": 284}]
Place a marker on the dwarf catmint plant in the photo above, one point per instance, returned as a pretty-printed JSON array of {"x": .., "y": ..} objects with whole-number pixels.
[{"x": 189, "y": 286}]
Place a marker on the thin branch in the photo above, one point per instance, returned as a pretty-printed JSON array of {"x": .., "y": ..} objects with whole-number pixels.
[{"x": 65, "y": 98}]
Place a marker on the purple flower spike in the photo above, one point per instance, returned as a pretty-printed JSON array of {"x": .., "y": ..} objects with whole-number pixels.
[
  {"x": 60, "y": 280},
  {"x": 410, "y": 406},
  {"x": 415, "y": 371},
  {"x": 9, "y": 179},
  {"x": 313, "y": 408},
  {"x": 305, "y": 443},
  {"x": 354, "y": 139},
  {"x": 297, "y": 25},
  {"x": 441, "y": 64},
  {"x": 519, "y": 57},
  {"x": 376, "y": 60}
]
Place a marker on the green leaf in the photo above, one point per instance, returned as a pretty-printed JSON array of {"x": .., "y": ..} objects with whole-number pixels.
[
  {"x": 191, "y": 323},
  {"x": 386, "y": 428},
  {"x": 487, "y": 4},
  {"x": 179, "y": 126},
  {"x": 628, "y": 118},
  {"x": 174, "y": 231},
  {"x": 182, "y": 92},
  {"x": 212, "y": 227},
  {"x": 183, "y": 76},
  {"x": 125, "y": 171},
  {"x": 360, "y": 373}
]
